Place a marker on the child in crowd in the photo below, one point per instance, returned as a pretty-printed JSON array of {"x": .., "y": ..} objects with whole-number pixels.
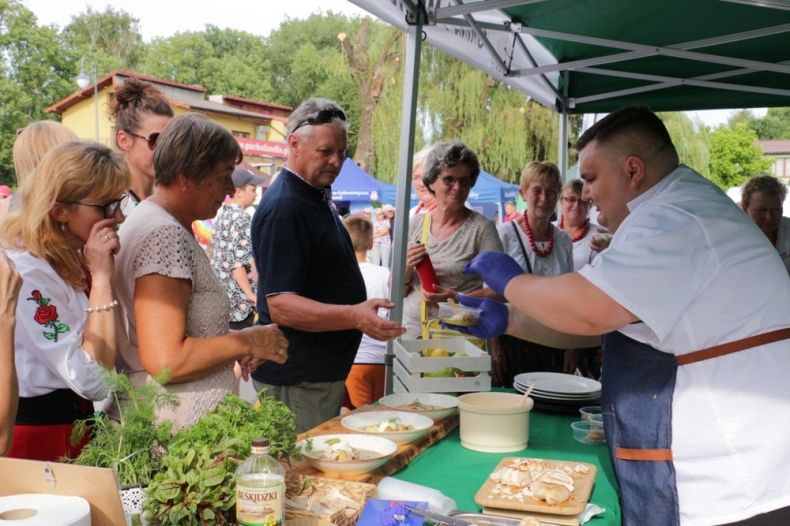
[{"x": 365, "y": 382}]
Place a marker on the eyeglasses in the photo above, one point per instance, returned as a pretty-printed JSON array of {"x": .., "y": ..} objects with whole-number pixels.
[
  {"x": 108, "y": 209},
  {"x": 151, "y": 139},
  {"x": 449, "y": 181},
  {"x": 573, "y": 200},
  {"x": 321, "y": 117}
]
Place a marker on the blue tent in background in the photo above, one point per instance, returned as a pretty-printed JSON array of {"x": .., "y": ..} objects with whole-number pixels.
[{"x": 355, "y": 185}]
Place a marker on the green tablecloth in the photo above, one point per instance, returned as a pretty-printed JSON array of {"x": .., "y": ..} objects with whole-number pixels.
[{"x": 459, "y": 473}]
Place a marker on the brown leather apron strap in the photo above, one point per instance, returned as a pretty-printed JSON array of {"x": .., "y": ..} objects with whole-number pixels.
[
  {"x": 733, "y": 347},
  {"x": 651, "y": 455}
]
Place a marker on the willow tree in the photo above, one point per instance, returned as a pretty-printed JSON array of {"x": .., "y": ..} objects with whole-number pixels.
[
  {"x": 505, "y": 128},
  {"x": 690, "y": 139}
]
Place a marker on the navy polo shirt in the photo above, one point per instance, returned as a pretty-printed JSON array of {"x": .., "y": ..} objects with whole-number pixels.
[{"x": 300, "y": 246}]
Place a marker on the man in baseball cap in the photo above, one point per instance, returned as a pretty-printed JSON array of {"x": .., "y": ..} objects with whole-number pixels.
[{"x": 231, "y": 256}]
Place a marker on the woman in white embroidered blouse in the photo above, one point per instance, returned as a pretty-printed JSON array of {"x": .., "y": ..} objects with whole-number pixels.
[{"x": 63, "y": 243}]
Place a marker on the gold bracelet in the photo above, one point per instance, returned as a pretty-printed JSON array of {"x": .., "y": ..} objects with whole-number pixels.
[{"x": 100, "y": 308}]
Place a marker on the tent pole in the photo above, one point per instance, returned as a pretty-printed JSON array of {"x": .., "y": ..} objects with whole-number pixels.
[
  {"x": 562, "y": 156},
  {"x": 411, "y": 76}
]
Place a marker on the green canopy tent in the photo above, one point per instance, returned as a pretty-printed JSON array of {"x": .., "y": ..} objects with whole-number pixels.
[{"x": 585, "y": 56}]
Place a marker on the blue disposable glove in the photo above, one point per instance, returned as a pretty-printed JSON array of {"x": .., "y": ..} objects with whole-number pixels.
[
  {"x": 493, "y": 317},
  {"x": 496, "y": 269}
]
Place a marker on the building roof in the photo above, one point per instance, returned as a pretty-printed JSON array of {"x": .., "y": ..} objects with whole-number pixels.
[
  {"x": 774, "y": 147},
  {"x": 116, "y": 78},
  {"x": 216, "y": 107}
]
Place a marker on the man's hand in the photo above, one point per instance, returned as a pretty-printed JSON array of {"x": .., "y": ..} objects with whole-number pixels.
[
  {"x": 495, "y": 268},
  {"x": 366, "y": 319},
  {"x": 493, "y": 317}
]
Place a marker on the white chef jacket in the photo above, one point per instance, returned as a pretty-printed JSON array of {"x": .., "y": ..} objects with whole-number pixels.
[
  {"x": 42, "y": 364},
  {"x": 783, "y": 242},
  {"x": 697, "y": 272}
]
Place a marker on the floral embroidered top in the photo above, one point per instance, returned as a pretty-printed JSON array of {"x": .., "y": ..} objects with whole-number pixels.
[
  {"x": 50, "y": 321},
  {"x": 232, "y": 249}
]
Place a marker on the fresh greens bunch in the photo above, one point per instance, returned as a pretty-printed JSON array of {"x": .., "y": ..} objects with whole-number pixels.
[
  {"x": 134, "y": 445},
  {"x": 235, "y": 418},
  {"x": 197, "y": 488}
]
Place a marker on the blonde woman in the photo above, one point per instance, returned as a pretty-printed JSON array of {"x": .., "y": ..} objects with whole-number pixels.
[
  {"x": 63, "y": 244},
  {"x": 31, "y": 144},
  {"x": 762, "y": 199}
]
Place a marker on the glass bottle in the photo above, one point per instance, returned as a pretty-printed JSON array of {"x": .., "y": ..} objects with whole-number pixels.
[{"x": 260, "y": 488}]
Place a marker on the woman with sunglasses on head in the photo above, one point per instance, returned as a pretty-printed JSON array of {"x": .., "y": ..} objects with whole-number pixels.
[
  {"x": 141, "y": 113},
  {"x": 173, "y": 306},
  {"x": 63, "y": 244},
  {"x": 450, "y": 235}
]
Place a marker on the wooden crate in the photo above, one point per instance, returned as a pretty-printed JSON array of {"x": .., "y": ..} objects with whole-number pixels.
[{"x": 409, "y": 366}]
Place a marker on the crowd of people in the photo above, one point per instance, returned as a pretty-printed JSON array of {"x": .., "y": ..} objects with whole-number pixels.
[{"x": 100, "y": 270}]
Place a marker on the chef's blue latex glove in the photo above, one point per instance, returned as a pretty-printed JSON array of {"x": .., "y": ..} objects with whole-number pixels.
[
  {"x": 493, "y": 317},
  {"x": 496, "y": 269}
]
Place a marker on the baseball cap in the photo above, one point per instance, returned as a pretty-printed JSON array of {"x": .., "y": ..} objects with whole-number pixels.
[
  {"x": 5, "y": 191},
  {"x": 244, "y": 176}
]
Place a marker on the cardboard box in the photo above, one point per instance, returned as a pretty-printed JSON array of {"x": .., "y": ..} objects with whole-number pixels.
[{"x": 409, "y": 366}]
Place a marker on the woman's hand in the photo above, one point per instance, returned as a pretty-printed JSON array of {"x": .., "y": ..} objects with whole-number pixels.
[
  {"x": 440, "y": 294},
  {"x": 266, "y": 342},
  {"x": 101, "y": 247}
]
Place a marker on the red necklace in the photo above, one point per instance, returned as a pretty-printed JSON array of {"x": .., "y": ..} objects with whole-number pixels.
[
  {"x": 586, "y": 229},
  {"x": 532, "y": 244}
]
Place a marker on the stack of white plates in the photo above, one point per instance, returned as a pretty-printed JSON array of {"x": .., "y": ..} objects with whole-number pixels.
[{"x": 558, "y": 391}]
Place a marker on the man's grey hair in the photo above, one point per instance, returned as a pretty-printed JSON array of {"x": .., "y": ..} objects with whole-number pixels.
[{"x": 310, "y": 106}]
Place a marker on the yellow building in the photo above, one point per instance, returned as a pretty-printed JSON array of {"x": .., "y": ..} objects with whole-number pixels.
[{"x": 258, "y": 126}]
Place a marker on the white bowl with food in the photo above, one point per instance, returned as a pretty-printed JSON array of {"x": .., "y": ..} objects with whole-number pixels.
[
  {"x": 349, "y": 454},
  {"x": 433, "y": 405},
  {"x": 400, "y": 426}
]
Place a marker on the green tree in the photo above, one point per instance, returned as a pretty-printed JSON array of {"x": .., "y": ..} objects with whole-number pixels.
[
  {"x": 112, "y": 39},
  {"x": 734, "y": 156},
  {"x": 690, "y": 139},
  {"x": 36, "y": 70},
  {"x": 775, "y": 124},
  {"x": 224, "y": 61}
]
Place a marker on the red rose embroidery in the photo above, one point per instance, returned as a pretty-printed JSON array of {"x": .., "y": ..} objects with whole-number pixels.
[{"x": 46, "y": 314}]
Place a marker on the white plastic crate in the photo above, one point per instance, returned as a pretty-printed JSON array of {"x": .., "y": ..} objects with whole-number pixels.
[{"x": 409, "y": 365}]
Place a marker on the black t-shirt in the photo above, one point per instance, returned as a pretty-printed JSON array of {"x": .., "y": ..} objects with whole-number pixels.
[{"x": 300, "y": 246}]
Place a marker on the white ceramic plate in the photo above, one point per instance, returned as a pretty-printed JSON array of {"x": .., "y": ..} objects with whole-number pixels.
[
  {"x": 443, "y": 405},
  {"x": 558, "y": 383},
  {"x": 549, "y": 395},
  {"x": 383, "y": 448},
  {"x": 419, "y": 424}
]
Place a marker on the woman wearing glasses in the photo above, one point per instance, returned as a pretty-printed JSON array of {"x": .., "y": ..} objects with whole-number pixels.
[
  {"x": 141, "y": 113},
  {"x": 575, "y": 221},
  {"x": 63, "y": 244},
  {"x": 450, "y": 234}
]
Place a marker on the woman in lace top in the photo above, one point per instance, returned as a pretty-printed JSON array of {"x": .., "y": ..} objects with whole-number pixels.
[{"x": 174, "y": 307}]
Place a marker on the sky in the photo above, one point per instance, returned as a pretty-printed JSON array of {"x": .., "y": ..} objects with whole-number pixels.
[{"x": 163, "y": 18}]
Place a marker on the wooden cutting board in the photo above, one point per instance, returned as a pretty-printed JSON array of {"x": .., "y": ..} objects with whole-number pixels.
[
  {"x": 583, "y": 476},
  {"x": 404, "y": 455}
]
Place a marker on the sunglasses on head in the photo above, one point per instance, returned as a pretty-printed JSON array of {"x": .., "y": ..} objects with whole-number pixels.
[
  {"x": 151, "y": 139},
  {"x": 321, "y": 117}
]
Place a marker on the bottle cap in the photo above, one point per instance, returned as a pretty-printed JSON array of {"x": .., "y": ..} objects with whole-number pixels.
[{"x": 260, "y": 442}]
